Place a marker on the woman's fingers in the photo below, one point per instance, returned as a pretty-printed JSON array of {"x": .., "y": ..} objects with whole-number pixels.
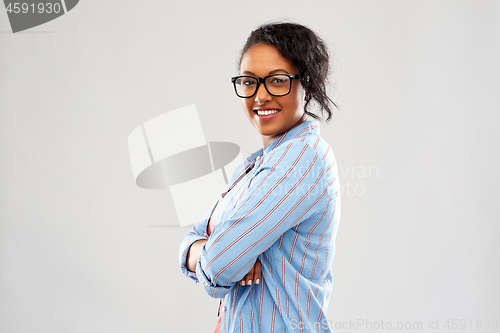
[
  {"x": 248, "y": 278},
  {"x": 256, "y": 271},
  {"x": 253, "y": 275}
]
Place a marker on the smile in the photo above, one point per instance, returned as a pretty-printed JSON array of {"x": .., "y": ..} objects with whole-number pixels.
[{"x": 266, "y": 112}]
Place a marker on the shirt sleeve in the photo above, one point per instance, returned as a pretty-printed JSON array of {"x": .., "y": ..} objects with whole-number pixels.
[
  {"x": 284, "y": 191},
  {"x": 199, "y": 231}
]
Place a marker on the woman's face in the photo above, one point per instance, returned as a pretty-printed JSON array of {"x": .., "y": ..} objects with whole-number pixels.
[{"x": 262, "y": 60}]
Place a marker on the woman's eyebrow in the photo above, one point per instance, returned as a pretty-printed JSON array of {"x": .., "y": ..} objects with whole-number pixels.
[{"x": 279, "y": 70}]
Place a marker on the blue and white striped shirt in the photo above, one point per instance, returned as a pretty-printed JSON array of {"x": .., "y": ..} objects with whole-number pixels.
[{"x": 285, "y": 212}]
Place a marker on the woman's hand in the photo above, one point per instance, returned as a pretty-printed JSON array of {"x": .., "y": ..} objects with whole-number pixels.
[
  {"x": 194, "y": 254},
  {"x": 253, "y": 275}
]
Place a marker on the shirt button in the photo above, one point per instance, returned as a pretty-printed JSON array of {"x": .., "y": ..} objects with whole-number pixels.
[{"x": 223, "y": 309}]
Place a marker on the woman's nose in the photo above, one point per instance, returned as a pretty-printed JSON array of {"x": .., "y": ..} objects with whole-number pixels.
[{"x": 262, "y": 96}]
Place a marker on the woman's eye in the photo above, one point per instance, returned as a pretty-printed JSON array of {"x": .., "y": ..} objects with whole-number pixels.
[
  {"x": 279, "y": 80},
  {"x": 248, "y": 82}
]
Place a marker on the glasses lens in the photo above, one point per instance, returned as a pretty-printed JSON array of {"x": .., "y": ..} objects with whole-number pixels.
[
  {"x": 278, "y": 84},
  {"x": 245, "y": 86}
]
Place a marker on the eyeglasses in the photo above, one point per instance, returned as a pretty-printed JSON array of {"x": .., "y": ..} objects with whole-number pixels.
[{"x": 246, "y": 86}]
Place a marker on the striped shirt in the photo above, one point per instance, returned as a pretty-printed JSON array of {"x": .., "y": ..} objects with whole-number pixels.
[{"x": 285, "y": 213}]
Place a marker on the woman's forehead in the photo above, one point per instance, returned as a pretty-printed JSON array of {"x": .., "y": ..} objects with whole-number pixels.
[{"x": 262, "y": 59}]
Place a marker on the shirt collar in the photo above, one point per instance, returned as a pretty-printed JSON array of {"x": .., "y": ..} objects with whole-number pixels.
[{"x": 307, "y": 127}]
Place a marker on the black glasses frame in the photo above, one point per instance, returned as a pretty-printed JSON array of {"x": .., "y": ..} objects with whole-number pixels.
[{"x": 263, "y": 80}]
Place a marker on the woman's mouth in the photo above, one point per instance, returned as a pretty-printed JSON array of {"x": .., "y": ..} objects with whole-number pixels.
[{"x": 266, "y": 112}]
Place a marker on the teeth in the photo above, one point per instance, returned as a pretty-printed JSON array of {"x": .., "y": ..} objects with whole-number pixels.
[{"x": 266, "y": 112}]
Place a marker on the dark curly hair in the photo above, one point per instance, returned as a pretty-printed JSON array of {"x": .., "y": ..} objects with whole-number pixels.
[{"x": 304, "y": 49}]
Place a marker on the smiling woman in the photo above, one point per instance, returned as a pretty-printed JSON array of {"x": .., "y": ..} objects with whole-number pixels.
[
  {"x": 266, "y": 247},
  {"x": 272, "y": 115}
]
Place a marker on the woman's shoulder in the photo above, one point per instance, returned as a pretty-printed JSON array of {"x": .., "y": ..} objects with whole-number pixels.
[{"x": 310, "y": 145}]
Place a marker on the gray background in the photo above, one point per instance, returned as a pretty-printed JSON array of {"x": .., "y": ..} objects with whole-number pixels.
[{"x": 417, "y": 82}]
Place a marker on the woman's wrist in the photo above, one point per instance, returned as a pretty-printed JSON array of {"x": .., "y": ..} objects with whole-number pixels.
[{"x": 194, "y": 254}]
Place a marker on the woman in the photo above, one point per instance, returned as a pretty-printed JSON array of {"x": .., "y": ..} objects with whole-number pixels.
[{"x": 267, "y": 245}]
